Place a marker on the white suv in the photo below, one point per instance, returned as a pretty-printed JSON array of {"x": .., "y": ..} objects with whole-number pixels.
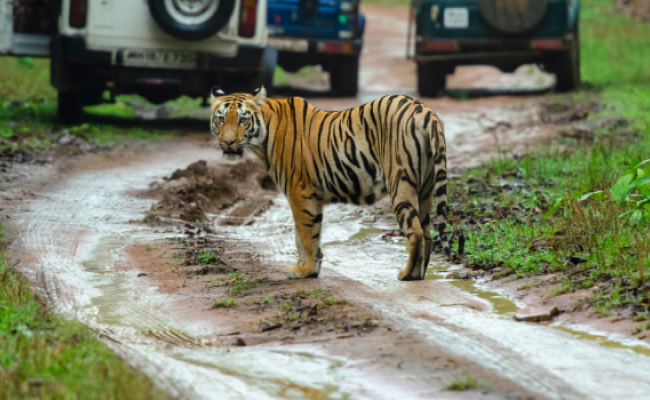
[{"x": 159, "y": 49}]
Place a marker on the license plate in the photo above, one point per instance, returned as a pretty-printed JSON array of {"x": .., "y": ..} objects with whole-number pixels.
[
  {"x": 456, "y": 18},
  {"x": 159, "y": 59},
  {"x": 295, "y": 45}
]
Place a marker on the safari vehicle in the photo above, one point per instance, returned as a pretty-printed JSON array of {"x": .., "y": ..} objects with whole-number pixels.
[
  {"x": 319, "y": 32},
  {"x": 503, "y": 33},
  {"x": 159, "y": 49}
]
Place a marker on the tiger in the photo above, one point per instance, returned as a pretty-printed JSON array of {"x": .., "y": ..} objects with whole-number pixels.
[{"x": 394, "y": 145}]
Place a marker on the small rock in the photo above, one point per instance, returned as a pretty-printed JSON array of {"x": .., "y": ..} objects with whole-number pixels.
[
  {"x": 142, "y": 274},
  {"x": 371, "y": 323},
  {"x": 463, "y": 273},
  {"x": 578, "y": 260},
  {"x": 536, "y": 314},
  {"x": 240, "y": 342},
  {"x": 297, "y": 326},
  {"x": 67, "y": 138},
  {"x": 345, "y": 336},
  {"x": 270, "y": 327}
]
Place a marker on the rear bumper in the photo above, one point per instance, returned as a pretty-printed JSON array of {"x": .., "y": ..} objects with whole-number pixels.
[
  {"x": 319, "y": 46},
  {"x": 73, "y": 49},
  {"x": 489, "y": 49}
]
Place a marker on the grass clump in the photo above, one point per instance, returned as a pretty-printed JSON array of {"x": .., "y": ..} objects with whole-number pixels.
[
  {"x": 460, "y": 385},
  {"x": 224, "y": 303},
  {"x": 43, "y": 356},
  {"x": 580, "y": 207}
]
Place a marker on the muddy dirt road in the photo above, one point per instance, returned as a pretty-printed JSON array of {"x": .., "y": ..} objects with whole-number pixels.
[{"x": 74, "y": 233}]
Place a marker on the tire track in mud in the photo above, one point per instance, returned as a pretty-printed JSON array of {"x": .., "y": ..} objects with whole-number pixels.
[
  {"x": 541, "y": 359},
  {"x": 69, "y": 238},
  {"x": 71, "y": 233}
]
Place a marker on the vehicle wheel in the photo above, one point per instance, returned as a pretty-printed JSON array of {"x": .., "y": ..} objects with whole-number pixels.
[
  {"x": 432, "y": 77},
  {"x": 566, "y": 67},
  {"x": 513, "y": 17},
  {"x": 268, "y": 68},
  {"x": 344, "y": 75},
  {"x": 191, "y": 19},
  {"x": 69, "y": 107}
]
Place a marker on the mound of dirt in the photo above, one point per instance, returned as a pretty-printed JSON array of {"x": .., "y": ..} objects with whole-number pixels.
[
  {"x": 191, "y": 193},
  {"x": 636, "y": 8}
]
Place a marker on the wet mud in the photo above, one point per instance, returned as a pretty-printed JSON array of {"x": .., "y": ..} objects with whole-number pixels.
[
  {"x": 79, "y": 234},
  {"x": 189, "y": 193}
]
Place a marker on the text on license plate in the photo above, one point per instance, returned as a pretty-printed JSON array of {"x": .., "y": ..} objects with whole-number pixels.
[
  {"x": 456, "y": 18},
  {"x": 159, "y": 58},
  {"x": 295, "y": 45}
]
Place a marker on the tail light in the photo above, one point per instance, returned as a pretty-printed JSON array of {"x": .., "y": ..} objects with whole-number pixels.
[
  {"x": 248, "y": 18},
  {"x": 78, "y": 13},
  {"x": 440, "y": 45},
  {"x": 547, "y": 44}
]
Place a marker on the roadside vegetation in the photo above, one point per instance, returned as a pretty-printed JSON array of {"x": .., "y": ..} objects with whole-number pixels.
[
  {"x": 43, "y": 356},
  {"x": 28, "y": 131},
  {"x": 579, "y": 207},
  {"x": 467, "y": 383}
]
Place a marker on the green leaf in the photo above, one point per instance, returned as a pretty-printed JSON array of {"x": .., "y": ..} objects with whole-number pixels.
[
  {"x": 634, "y": 163},
  {"x": 599, "y": 195},
  {"x": 551, "y": 210},
  {"x": 644, "y": 180},
  {"x": 642, "y": 163},
  {"x": 621, "y": 189}
]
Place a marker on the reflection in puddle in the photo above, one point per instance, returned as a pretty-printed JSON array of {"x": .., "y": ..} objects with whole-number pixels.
[
  {"x": 113, "y": 313},
  {"x": 500, "y": 304},
  {"x": 603, "y": 340}
]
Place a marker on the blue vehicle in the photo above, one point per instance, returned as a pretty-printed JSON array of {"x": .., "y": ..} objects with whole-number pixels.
[{"x": 324, "y": 32}]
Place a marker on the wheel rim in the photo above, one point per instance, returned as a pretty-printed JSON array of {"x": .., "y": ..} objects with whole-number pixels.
[{"x": 191, "y": 12}]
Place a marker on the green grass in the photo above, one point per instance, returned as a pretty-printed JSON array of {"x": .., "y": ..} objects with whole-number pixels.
[
  {"x": 224, "y": 303},
  {"x": 25, "y": 80},
  {"x": 460, "y": 385},
  {"x": 615, "y": 51},
  {"x": 43, "y": 356},
  {"x": 505, "y": 227}
]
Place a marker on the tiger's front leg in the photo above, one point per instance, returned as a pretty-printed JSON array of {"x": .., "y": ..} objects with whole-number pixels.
[{"x": 308, "y": 218}]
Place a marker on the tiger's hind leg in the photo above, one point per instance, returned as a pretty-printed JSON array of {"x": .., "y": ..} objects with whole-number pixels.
[
  {"x": 405, "y": 204},
  {"x": 425, "y": 222},
  {"x": 308, "y": 218}
]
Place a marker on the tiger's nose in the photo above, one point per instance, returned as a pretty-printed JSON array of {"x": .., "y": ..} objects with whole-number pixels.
[{"x": 229, "y": 141}]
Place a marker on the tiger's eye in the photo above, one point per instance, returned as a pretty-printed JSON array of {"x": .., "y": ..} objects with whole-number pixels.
[
  {"x": 242, "y": 120},
  {"x": 220, "y": 120}
]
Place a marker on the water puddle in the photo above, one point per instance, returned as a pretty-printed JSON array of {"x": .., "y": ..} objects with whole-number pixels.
[{"x": 603, "y": 340}]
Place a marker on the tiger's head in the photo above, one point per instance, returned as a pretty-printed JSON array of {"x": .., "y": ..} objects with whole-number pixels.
[{"x": 237, "y": 122}]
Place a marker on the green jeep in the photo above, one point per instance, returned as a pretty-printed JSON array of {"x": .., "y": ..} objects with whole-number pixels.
[{"x": 503, "y": 33}]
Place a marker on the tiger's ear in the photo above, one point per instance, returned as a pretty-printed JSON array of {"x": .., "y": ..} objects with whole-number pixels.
[
  {"x": 259, "y": 96},
  {"x": 216, "y": 92}
]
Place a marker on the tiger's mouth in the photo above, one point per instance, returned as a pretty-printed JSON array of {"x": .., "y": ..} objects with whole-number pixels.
[{"x": 233, "y": 154}]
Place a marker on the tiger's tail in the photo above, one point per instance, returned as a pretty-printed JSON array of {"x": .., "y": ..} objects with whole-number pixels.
[{"x": 440, "y": 184}]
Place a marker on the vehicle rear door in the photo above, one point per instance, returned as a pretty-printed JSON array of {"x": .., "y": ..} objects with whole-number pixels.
[
  {"x": 304, "y": 18},
  {"x": 26, "y": 26}
]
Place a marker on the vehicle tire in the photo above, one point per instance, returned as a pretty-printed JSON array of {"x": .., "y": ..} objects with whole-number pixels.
[
  {"x": 513, "y": 17},
  {"x": 344, "y": 75},
  {"x": 566, "y": 67},
  {"x": 432, "y": 78},
  {"x": 69, "y": 106},
  {"x": 191, "y": 19},
  {"x": 268, "y": 68}
]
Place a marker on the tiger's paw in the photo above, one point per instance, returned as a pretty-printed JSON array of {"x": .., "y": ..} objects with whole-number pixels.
[
  {"x": 413, "y": 275},
  {"x": 300, "y": 272}
]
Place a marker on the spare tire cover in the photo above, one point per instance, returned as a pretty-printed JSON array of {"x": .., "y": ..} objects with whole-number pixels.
[
  {"x": 513, "y": 16},
  {"x": 191, "y": 19}
]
